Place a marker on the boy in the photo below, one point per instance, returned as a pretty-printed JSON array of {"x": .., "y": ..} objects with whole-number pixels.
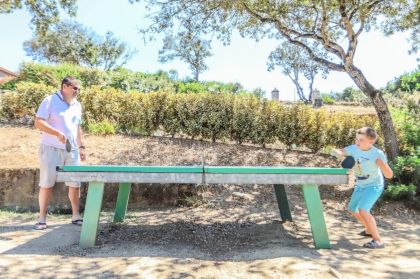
[{"x": 371, "y": 163}]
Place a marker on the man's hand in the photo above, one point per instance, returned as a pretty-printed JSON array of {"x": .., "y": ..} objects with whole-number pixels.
[
  {"x": 61, "y": 137},
  {"x": 82, "y": 153},
  {"x": 43, "y": 125}
]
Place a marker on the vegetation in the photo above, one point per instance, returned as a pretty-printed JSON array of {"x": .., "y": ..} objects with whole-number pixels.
[
  {"x": 295, "y": 63},
  {"x": 188, "y": 46},
  {"x": 314, "y": 27},
  {"x": 44, "y": 12},
  {"x": 240, "y": 117},
  {"x": 72, "y": 43}
]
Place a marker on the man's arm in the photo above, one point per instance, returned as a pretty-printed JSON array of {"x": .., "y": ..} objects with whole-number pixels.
[
  {"x": 43, "y": 125},
  {"x": 80, "y": 143},
  {"x": 385, "y": 168}
]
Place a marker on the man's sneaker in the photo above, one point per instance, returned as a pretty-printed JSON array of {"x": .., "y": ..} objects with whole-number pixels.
[{"x": 40, "y": 226}]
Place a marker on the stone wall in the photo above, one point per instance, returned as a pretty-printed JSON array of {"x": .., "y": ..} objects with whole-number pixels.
[{"x": 19, "y": 191}]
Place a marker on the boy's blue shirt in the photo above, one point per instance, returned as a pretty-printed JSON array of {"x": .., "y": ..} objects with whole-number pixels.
[{"x": 366, "y": 171}]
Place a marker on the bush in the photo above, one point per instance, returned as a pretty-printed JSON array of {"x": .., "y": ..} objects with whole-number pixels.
[
  {"x": 317, "y": 125},
  {"x": 25, "y": 100},
  {"x": 217, "y": 112},
  {"x": 328, "y": 100},
  {"x": 244, "y": 112},
  {"x": 293, "y": 125},
  {"x": 267, "y": 119},
  {"x": 407, "y": 170},
  {"x": 407, "y": 124},
  {"x": 409, "y": 82},
  {"x": 101, "y": 128},
  {"x": 238, "y": 117},
  {"x": 399, "y": 192}
]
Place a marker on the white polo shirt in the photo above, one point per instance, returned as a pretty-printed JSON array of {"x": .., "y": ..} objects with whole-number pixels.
[{"x": 61, "y": 116}]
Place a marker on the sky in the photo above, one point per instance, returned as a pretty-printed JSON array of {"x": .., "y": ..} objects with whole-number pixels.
[{"x": 380, "y": 58}]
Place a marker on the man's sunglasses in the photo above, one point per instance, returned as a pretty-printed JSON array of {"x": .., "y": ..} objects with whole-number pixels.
[{"x": 74, "y": 87}]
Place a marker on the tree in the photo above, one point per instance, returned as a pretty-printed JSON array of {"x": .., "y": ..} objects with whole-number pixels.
[
  {"x": 188, "y": 47},
  {"x": 294, "y": 62},
  {"x": 335, "y": 25},
  {"x": 44, "y": 12},
  {"x": 70, "y": 42},
  {"x": 408, "y": 82}
]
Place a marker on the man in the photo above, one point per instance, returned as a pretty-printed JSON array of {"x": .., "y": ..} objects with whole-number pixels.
[{"x": 59, "y": 118}]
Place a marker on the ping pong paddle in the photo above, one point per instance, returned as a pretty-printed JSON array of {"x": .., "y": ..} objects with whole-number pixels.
[
  {"x": 348, "y": 162},
  {"x": 68, "y": 146}
]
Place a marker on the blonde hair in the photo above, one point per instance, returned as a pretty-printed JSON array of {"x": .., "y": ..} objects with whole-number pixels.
[{"x": 368, "y": 132}]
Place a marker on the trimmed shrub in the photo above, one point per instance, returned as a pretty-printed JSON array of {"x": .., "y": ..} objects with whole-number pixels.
[
  {"x": 25, "y": 100},
  {"x": 242, "y": 123},
  {"x": 267, "y": 122}
]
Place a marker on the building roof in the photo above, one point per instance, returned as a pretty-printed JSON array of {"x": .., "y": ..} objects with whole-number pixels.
[{"x": 10, "y": 73}]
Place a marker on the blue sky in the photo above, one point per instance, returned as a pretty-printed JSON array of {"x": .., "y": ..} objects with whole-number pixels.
[{"x": 380, "y": 58}]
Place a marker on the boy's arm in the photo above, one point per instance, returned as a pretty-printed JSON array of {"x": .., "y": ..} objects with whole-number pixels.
[
  {"x": 339, "y": 153},
  {"x": 385, "y": 168}
]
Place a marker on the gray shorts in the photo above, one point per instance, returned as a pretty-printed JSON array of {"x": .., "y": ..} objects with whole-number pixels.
[{"x": 49, "y": 158}]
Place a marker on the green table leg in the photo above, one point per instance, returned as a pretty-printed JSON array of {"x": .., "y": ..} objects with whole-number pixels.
[
  {"x": 283, "y": 203},
  {"x": 316, "y": 216},
  {"x": 122, "y": 202},
  {"x": 91, "y": 216}
]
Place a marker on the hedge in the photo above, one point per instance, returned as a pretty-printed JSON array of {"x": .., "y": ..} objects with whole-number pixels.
[{"x": 242, "y": 118}]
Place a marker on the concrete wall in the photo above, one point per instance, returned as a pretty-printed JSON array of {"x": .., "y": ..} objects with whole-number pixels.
[{"x": 19, "y": 191}]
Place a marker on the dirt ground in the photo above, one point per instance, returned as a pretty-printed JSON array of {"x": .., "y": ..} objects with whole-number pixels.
[{"x": 231, "y": 232}]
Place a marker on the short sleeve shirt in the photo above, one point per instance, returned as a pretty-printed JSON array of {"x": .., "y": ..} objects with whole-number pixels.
[
  {"x": 366, "y": 170},
  {"x": 61, "y": 116}
]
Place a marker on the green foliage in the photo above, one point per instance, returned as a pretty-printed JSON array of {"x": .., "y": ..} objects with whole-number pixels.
[
  {"x": 171, "y": 122},
  {"x": 310, "y": 26},
  {"x": 121, "y": 79},
  {"x": 70, "y": 42},
  {"x": 215, "y": 116},
  {"x": 407, "y": 122},
  {"x": 409, "y": 83},
  {"x": 53, "y": 75},
  {"x": 101, "y": 128},
  {"x": 43, "y": 12},
  {"x": 191, "y": 87},
  {"x": 293, "y": 125},
  {"x": 189, "y": 46},
  {"x": 296, "y": 62},
  {"x": 407, "y": 169},
  {"x": 351, "y": 94},
  {"x": 25, "y": 100},
  {"x": 328, "y": 100},
  {"x": 217, "y": 113},
  {"x": 210, "y": 86},
  {"x": 267, "y": 119},
  {"x": 317, "y": 122},
  {"x": 399, "y": 192},
  {"x": 244, "y": 110}
]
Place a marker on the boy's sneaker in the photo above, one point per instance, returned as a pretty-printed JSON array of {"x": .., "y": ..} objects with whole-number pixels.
[
  {"x": 374, "y": 245},
  {"x": 364, "y": 233},
  {"x": 40, "y": 226}
]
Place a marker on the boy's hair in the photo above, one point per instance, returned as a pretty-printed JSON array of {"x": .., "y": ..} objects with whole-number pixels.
[{"x": 368, "y": 132}]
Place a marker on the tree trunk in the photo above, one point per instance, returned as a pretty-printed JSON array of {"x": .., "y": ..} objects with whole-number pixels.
[
  {"x": 311, "y": 88},
  {"x": 196, "y": 74},
  {"x": 385, "y": 119}
]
